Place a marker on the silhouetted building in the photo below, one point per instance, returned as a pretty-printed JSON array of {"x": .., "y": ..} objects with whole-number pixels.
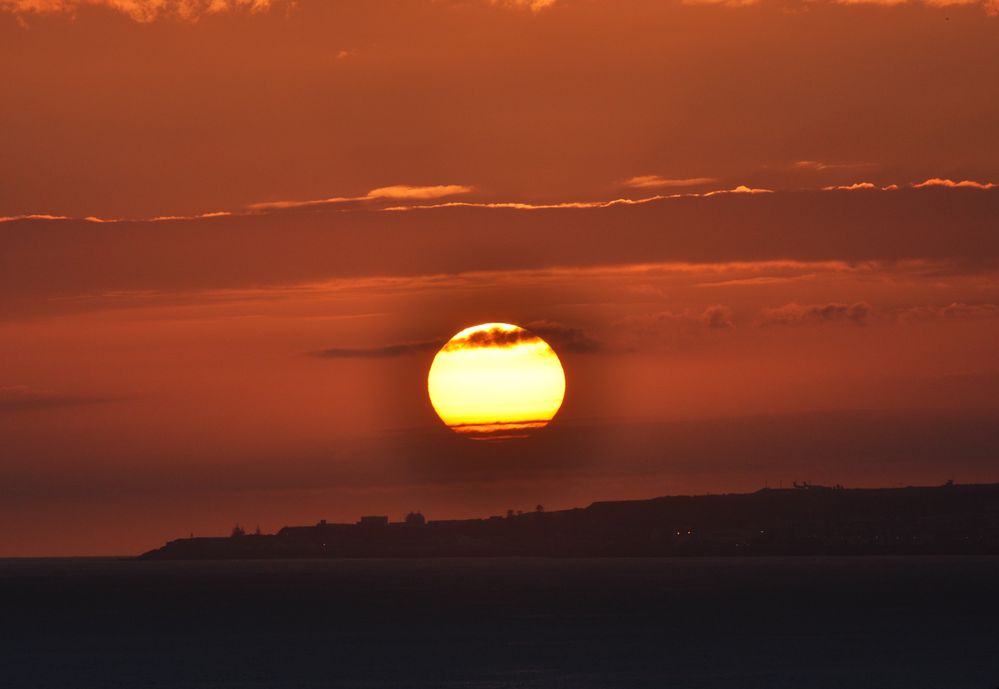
[
  {"x": 373, "y": 521},
  {"x": 415, "y": 519},
  {"x": 951, "y": 519}
]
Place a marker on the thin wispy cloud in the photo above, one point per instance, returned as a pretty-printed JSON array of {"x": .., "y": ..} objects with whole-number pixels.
[
  {"x": 961, "y": 184},
  {"x": 404, "y": 191},
  {"x": 414, "y": 194},
  {"x": 99, "y": 220},
  {"x": 821, "y": 166},
  {"x": 19, "y": 398},
  {"x": 741, "y": 189},
  {"x": 991, "y": 7},
  {"x": 860, "y": 186},
  {"x": 952, "y": 311},
  {"x": 397, "y": 192},
  {"x": 657, "y": 182},
  {"x": 197, "y": 216},
  {"x": 146, "y": 11},
  {"x": 858, "y": 313},
  {"x": 32, "y": 216},
  {"x": 143, "y": 11},
  {"x": 722, "y": 3},
  {"x": 515, "y": 205},
  {"x": 673, "y": 329},
  {"x": 533, "y": 5},
  {"x": 564, "y": 338},
  {"x": 389, "y": 351},
  {"x": 929, "y": 183}
]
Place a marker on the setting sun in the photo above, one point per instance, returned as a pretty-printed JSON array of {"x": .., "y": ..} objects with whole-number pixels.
[{"x": 496, "y": 380}]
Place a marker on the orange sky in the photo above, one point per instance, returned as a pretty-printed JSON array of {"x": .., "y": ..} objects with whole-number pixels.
[{"x": 232, "y": 233}]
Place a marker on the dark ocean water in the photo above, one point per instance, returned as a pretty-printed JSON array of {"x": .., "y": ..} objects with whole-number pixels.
[{"x": 800, "y": 623}]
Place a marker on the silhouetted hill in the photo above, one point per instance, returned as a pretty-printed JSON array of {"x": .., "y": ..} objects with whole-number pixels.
[{"x": 805, "y": 520}]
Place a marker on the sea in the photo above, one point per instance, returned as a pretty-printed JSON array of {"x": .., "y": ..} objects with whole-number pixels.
[{"x": 492, "y": 623}]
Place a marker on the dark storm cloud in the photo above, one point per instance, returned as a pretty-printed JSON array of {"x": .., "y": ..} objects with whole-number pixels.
[
  {"x": 858, "y": 313},
  {"x": 383, "y": 352}
]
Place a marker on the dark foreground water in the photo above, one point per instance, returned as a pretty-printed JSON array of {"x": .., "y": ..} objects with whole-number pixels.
[{"x": 805, "y": 623}]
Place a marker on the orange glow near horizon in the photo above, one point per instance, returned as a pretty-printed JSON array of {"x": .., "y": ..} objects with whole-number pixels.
[{"x": 496, "y": 379}]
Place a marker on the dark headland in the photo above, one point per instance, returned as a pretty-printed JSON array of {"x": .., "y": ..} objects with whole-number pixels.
[{"x": 804, "y": 520}]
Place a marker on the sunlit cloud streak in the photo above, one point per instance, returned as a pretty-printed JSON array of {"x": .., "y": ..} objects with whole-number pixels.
[
  {"x": 516, "y": 205},
  {"x": 860, "y": 186},
  {"x": 162, "y": 218},
  {"x": 100, "y": 220},
  {"x": 533, "y": 5},
  {"x": 657, "y": 182},
  {"x": 146, "y": 11},
  {"x": 142, "y": 11},
  {"x": 255, "y": 250},
  {"x": 722, "y": 3},
  {"x": 821, "y": 166},
  {"x": 33, "y": 216},
  {"x": 741, "y": 189},
  {"x": 398, "y": 192},
  {"x": 414, "y": 193},
  {"x": 949, "y": 183},
  {"x": 991, "y": 7}
]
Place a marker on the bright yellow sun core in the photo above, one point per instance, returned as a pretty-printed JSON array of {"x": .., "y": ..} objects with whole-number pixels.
[{"x": 496, "y": 380}]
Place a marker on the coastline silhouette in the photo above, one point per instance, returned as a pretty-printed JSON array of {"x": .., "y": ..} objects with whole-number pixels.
[{"x": 802, "y": 520}]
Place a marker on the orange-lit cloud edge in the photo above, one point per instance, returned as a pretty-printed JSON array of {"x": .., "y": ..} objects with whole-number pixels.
[
  {"x": 145, "y": 11},
  {"x": 405, "y": 197}
]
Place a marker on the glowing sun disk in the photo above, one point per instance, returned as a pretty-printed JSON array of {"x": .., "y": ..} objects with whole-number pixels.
[{"x": 495, "y": 377}]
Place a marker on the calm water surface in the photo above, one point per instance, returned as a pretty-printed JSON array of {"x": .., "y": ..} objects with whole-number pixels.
[{"x": 800, "y": 623}]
